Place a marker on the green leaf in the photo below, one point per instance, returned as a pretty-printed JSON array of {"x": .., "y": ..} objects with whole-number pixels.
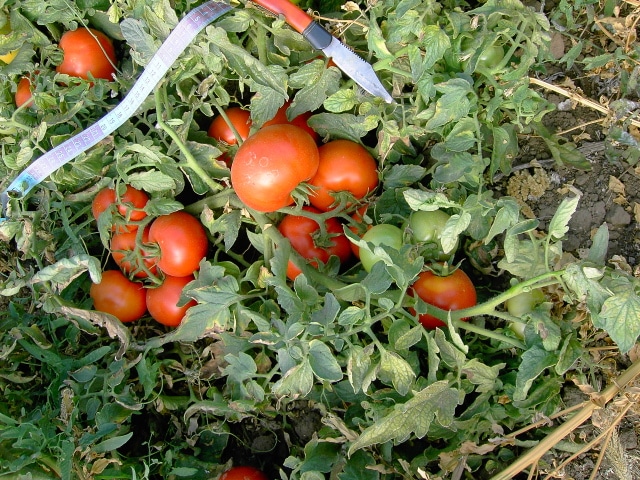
[
  {"x": 297, "y": 381},
  {"x": 112, "y": 443},
  {"x": 620, "y": 318},
  {"x": 356, "y": 467},
  {"x": 452, "y": 356},
  {"x": 485, "y": 377},
  {"x": 64, "y": 271},
  {"x": 437, "y": 402},
  {"x": 395, "y": 370},
  {"x": 534, "y": 362},
  {"x": 359, "y": 370},
  {"x": 559, "y": 225},
  {"x": 599, "y": 246},
  {"x": 403, "y": 176},
  {"x": 323, "y": 362}
]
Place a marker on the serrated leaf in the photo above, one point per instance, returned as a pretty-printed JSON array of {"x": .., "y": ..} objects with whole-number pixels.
[
  {"x": 559, "y": 225},
  {"x": 323, "y": 362},
  {"x": 297, "y": 381},
  {"x": 151, "y": 181},
  {"x": 533, "y": 363},
  {"x": 620, "y": 318},
  {"x": 61, "y": 273},
  {"x": 395, "y": 370},
  {"x": 341, "y": 101},
  {"x": 484, "y": 376},
  {"x": 436, "y": 402},
  {"x": 140, "y": 41}
]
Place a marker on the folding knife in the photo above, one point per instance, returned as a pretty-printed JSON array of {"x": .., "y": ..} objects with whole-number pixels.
[{"x": 348, "y": 61}]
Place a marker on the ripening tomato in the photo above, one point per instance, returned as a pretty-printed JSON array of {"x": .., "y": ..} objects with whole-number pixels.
[
  {"x": 382, "y": 234},
  {"x": 130, "y": 256},
  {"x": 163, "y": 301},
  {"x": 24, "y": 93},
  {"x": 270, "y": 164},
  {"x": 130, "y": 205},
  {"x": 239, "y": 118},
  {"x": 87, "y": 51},
  {"x": 182, "y": 241},
  {"x": 451, "y": 292},
  {"x": 243, "y": 473},
  {"x": 119, "y": 296},
  {"x": 343, "y": 166},
  {"x": 300, "y": 121},
  {"x": 304, "y": 235}
]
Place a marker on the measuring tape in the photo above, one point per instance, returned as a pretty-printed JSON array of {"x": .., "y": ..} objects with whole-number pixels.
[{"x": 173, "y": 46}]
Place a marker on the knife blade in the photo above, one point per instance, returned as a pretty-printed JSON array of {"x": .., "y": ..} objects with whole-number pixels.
[{"x": 346, "y": 59}]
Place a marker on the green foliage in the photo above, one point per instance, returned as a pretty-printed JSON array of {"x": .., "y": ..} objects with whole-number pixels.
[{"x": 85, "y": 396}]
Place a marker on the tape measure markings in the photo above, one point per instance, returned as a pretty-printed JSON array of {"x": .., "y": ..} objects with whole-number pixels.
[{"x": 167, "y": 54}]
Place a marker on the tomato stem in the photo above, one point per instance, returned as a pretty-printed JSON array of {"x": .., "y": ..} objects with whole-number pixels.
[{"x": 192, "y": 163}]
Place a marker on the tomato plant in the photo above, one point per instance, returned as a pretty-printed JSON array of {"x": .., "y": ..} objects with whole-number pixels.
[
  {"x": 243, "y": 473},
  {"x": 382, "y": 234},
  {"x": 301, "y": 121},
  {"x": 87, "y": 51},
  {"x": 426, "y": 228},
  {"x": 119, "y": 296},
  {"x": 24, "y": 92},
  {"x": 270, "y": 164},
  {"x": 182, "y": 243},
  {"x": 163, "y": 302},
  {"x": 130, "y": 256},
  {"x": 453, "y": 291},
  {"x": 311, "y": 243},
  {"x": 345, "y": 166}
]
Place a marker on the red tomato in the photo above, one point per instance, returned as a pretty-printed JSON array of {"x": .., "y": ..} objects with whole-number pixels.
[
  {"x": 344, "y": 166},
  {"x": 87, "y": 51},
  {"x": 23, "y": 92},
  {"x": 239, "y": 118},
  {"x": 270, "y": 164},
  {"x": 299, "y": 121},
  {"x": 119, "y": 296},
  {"x": 452, "y": 292},
  {"x": 130, "y": 205},
  {"x": 243, "y": 473},
  {"x": 302, "y": 232},
  {"x": 162, "y": 301},
  {"x": 129, "y": 256},
  {"x": 182, "y": 241}
]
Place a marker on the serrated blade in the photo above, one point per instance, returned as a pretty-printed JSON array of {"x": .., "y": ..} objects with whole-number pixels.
[{"x": 357, "y": 68}]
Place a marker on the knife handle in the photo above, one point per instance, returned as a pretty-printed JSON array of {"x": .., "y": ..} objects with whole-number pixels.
[{"x": 294, "y": 15}]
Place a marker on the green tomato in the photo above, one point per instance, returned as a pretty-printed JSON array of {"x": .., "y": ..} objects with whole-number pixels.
[
  {"x": 382, "y": 234},
  {"x": 489, "y": 58},
  {"x": 426, "y": 227},
  {"x": 524, "y": 302}
]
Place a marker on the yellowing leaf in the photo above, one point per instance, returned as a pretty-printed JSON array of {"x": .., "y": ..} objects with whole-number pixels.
[{"x": 436, "y": 402}]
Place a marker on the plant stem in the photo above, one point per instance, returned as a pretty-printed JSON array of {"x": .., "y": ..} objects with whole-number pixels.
[{"x": 192, "y": 163}]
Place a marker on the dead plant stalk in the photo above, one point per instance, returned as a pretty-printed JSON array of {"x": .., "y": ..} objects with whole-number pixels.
[{"x": 597, "y": 401}]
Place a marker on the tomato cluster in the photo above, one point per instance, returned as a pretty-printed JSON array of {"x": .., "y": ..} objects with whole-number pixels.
[
  {"x": 87, "y": 53},
  {"x": 165, "y": 250}
]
